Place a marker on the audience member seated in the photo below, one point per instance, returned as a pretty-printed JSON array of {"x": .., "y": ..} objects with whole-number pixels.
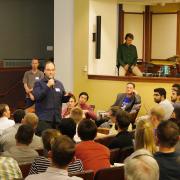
[
  {"x": 62, "y": 153},
  {"x": 18, "y": 116},
  {"x": 160, "y": 98},
  {"x": 123, "y": 138},
  {"x": 71, "y": 104},
  {"x": 112, "y": 119},
  {"x": 22, "y": 153},
  {"x": 67, "y": 126},
  {"x": 140, "y": 165},
  {"x": 93, "y": 155},
  {"x": 167, "y": 158},
  {"x": 8, "y": 140},
  {"x": 41, "y": 163},
  {"x": 77, "y": 114},
  {"x": 156, "y": 115},
  {"x": 5, "y": 122},
  {"x": 9, "y": 169},
  {"x": 128, "y": 100},
  {"x": 144, "y": 136},
  {"x": 87, "y": 109},
  {"x": 175, "y": 95}
]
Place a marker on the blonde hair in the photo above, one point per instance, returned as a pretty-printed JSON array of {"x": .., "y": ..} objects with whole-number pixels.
[
  {"x": 144, "y": 136},
  {"x": 158, "y": 111},
  {"x": 76, "y": 114},
  {"x": 31, "y": 119}
]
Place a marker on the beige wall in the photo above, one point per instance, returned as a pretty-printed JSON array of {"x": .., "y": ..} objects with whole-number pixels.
[{"x": 102, "y": 93}]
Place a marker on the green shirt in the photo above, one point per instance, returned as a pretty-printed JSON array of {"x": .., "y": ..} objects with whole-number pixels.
[{"x": 126, "y": 55}]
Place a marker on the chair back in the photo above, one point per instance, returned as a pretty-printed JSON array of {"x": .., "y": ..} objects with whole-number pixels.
[
  {"x": 105, "y": 140},
  {"x": 125, "y": 152},
  {"x": 113, "y": 173},
  {"x": 114, "y": 155},
  {"x": 133, "y": 114},
  {"x": 25, "y": 168},
  {"x": 86, "y": 175}
]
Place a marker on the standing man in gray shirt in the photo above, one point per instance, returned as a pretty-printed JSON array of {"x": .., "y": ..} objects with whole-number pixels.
[{"x": 30, "y": 77}]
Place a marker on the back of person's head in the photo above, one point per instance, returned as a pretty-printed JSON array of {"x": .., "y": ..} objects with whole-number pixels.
[
  {"x": 129, "y": 35},
  {"x": 87, "y": 130},
  {"x": 122, "y": 119},
  {"x": 141, "y": 166},
  {"x": 63, "y": 150},
  {"x": 161, "y": 91},
  {"x": 31, "y": 119},
  {"x": 158, "y": 112},
  {"x": 48, "y": 136},
  {"x": 24, "y": 134},
  {"x": 85, "y": 94},
  {"x": 76, "y": 114},
  {"x": 113, "y": 110},
  {"x": 167, "y": 134},
  {"x": 18, "y": 115},
  {"x": 2, "y": 109},
  {"x": 176, "y": 87},
  {"x": 67, "y": 126},
  {"x": 144, "y": 136}
]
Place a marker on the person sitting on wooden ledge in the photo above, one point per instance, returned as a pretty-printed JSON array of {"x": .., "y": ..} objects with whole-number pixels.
[{"x": 127, "y": 57}]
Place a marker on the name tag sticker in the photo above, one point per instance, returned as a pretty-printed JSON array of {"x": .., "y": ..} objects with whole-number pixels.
[
  {"x": 36, "y": 78},
  {"x": 57, "y": 89}
]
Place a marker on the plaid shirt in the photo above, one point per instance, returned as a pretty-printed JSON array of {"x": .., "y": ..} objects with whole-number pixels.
[{"x": 9, "y": 169}]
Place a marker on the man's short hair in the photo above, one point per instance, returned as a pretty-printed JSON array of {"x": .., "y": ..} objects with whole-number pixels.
[
  {"x": 67, "y": 126},
  {"x": 85, "y": 94},
  {"x": 132, "y": 84},
  {"x": 31, "y": 119},
  {"x": 24, "y": 134},
  {"x": 123, "y": 119},
  {"x": 48, "y": 62},
  {"x": 176, "y": 87},
  {"x": 76, "y": 114},
  {"x": 2, "y": 109},
  {"x": 63, "y": 151},
  {"x": 87, "y": 130},
  {"x": 141, "y": 166},
  {"x": 48, "y": 137},
  {"x": 114, "y": 110},
  {"x": 18, "y": 115},
  {"x": 167, "y": 134},
  {"x": 129, "y": 35},
  {"x": 161, "y": 91}
]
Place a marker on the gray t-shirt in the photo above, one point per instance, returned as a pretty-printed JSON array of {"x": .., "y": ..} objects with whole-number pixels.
[{"x": 30, "y": 78}]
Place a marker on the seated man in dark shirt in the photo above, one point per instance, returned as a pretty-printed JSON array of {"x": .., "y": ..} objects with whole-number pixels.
[
  {"x": 168, "y": 160},
  {"x": 123, "y": 138},
  {"x": 127, "y": 57},
  {"x": 130, "y": 100}
]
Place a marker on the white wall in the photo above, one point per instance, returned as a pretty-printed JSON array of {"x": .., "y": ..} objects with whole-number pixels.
[
  {"x": 107, "y": 9},
  {"x": 63, "y": 41},
  {"x": 164, "y": 34}
]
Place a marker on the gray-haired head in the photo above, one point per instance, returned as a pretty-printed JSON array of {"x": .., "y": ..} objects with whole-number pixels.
[{"x": 141, "y": 166}]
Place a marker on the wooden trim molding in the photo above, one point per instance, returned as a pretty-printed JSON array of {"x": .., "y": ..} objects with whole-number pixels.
[
  {"x": 135, "y": 78},
  {"x": 121, "y": 25},
  {"x": 147, "y": 34},
  {"x": 178, "y": 34}
]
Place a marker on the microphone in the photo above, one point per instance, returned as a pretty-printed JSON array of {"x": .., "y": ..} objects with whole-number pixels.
[{"x": 52, "y": 80}]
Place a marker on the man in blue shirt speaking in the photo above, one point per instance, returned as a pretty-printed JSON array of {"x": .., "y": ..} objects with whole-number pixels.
[{"x": 49, "y": 95}]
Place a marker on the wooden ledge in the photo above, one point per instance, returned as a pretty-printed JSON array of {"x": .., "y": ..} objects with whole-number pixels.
[{"x": 135, "y": 78}]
